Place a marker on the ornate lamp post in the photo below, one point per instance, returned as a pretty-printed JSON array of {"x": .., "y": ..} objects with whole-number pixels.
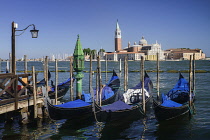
[
  {"x": 78, "y": 65},
  {"x": 34, "y": 34}
]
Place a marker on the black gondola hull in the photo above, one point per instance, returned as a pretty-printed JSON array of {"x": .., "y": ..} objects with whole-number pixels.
[
  {"x": 60, "y": 94},
  {"x": 163, "y": 113},
  {"x": 58, "y": 113},
  {"x": 126, "y": 115}
]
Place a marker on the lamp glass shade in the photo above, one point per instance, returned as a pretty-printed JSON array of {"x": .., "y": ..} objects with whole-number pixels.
[{"x": 34, "y": 33}]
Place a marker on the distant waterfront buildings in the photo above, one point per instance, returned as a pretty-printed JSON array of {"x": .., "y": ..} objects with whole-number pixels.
[
  {"x": 184, "y": 54},
  {"x": 149, "y": 51},
  {"x": 134, "y": 52},
  {"x": 60, "y": 57}
]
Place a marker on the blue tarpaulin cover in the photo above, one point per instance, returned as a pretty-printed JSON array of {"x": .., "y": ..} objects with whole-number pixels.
[
  {"x": 170, "y": 103},
  {"x": 178, "y": 95},
  {"x": 147, "y": 83},
  {"x": 182, "y": 85},
  {"x": 118, "y": 105},
  {"x": 73, "y": 104},
  {"x": 87, "y": 97},
  {"x": 106, "y": 93}
]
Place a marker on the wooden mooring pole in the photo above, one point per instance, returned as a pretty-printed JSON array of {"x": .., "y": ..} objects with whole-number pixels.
[
  {"x": 190, "y": 81},
  {"x": 46, "y": 73},
  {"x": 97, "y": 86},
  {"x": 194, "y": 74},
  {"x": 10, "y": 63},
  {"x": 71, "y": 78},
  {"x": 99, "y": 80},
  {"x": 125, "y": 73},
  {"x": 25, "y": 64},
  {"x": 56, "y": 81},
  {"x": 14, "y": 86},
  {"x": 0, "y": 65},
  {"x": 8, "y": 67},
  {"x": 120, "y": 67},
  {"x": 106, "y": 70},
  {"x": 25, "y": 71},
  {"x": 142, "y": 81},
  {"x": 158, "y": 68},
  {"x": 90, "y": 75},
  {"x": 34, "y": 92}
]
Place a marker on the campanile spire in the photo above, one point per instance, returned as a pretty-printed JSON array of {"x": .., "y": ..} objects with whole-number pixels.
[{"x": 118, "y": 43}]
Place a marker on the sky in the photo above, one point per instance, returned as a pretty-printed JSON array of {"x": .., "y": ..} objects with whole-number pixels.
[{"x": 173, "y": 23}]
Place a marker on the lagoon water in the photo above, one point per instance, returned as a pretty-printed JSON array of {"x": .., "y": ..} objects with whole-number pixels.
[{"x": 194, "y": 127}]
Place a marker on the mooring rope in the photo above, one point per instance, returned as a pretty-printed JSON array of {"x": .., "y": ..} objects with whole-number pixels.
[
  {"x": 93, "y": 104},
  {"x": 141, "y": 109}
]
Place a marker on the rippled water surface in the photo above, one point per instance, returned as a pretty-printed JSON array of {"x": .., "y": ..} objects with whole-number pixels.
[{"x": 195, "y": 127}]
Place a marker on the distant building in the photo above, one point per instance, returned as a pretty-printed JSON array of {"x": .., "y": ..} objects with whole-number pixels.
[
  {"x": 136, "y": 51},
  {"x": 121, "y": 55},
  {"x": 150, "y": 51},
  {"x": 184, "y": 54}
]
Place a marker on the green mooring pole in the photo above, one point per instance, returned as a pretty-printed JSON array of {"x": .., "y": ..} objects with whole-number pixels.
[{"x": 78, "y": 65}]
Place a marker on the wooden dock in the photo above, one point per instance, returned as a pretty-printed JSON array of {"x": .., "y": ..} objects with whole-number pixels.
[
  {"x": 25, "y": 102},
  {"x": 22, "y": 96}
]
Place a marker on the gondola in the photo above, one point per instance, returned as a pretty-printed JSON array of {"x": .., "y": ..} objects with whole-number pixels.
[
  {"x": 81, "y": 108},
  {"x": 175, "y": 103},
  {"x": 130, "y": 107},
  {"x": 42, "y": 82},
  {"x": 62, "y": 89}
]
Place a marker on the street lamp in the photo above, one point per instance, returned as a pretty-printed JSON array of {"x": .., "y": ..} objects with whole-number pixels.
[{"x": 34, "y": 34}]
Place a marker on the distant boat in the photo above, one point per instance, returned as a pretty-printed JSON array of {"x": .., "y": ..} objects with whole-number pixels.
[
  {"x": 43, "y": 82},
  {"x": 62, "y": 89}
]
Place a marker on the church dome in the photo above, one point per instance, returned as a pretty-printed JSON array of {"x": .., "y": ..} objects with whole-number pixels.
[{"x": 142, "y": 41}]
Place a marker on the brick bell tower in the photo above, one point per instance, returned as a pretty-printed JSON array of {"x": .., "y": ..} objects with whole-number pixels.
[{"x": 118, "y": 42}]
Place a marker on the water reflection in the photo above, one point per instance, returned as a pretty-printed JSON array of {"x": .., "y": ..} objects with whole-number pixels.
[
  {"x": 198, "y": 127},
  {"x": 179, "y": 128}
]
